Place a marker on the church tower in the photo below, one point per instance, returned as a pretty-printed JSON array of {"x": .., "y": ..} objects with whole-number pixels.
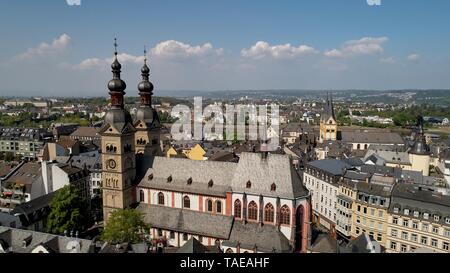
[
  {"x": 118, "y": 157},
  {"x": 419, "y": 154},
  {"x": 147, "y": 124},
  {"x": 328, "y": 123}
]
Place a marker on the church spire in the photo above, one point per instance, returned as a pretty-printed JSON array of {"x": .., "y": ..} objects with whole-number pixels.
[
  {"x": 145, "y": 87},
  {"x": 116, "y": 85}
]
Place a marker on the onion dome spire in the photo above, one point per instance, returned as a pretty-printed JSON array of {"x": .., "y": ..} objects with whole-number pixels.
[
  {"x": 145, "y": 87},
  {"x": 116, "y": 85}
]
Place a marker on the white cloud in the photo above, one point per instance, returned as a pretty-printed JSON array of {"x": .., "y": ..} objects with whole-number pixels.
[
  {"x": 174, "y": 49},
  {"x": 334, "y": 53},
  {"x": 103, "y": 63},
  {"x": 58, "y": 45},
  {"x": 388, "y": 60},
  {"x": 263, "y": 50},
  {"x": 363, "y": 46},
  {"x": 413, "y": 57},
  {"x": 73, "y": 2},
  {"x": 168, "y": 50}
]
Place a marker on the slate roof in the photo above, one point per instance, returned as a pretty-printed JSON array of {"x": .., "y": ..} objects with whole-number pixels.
[
  {"x": 263, "y": 172},
  {"x": 377, "y": 137},
  {"x": 84, "y": 131},
  {"x": 187, "y": 221},
  {"x": 332, "y": 166},
  {"x": 14, "y": 239},
  {"x": 417, "y": 198},
  {"x": 391, "y": 157},
  {"x": 266, "y": 238},
  {"x": 193, "y": 246},
  {"x": 324, "y": 244}
]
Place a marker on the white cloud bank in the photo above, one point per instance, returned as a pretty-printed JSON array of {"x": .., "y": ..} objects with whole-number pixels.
[
  {"x": 363, "y": 46},
  {"x": 263, "y": 50},
  {"x": 413, "y": 57},
  {"x": 171, "y": 49},
  {"x": 44, "y": 49}
]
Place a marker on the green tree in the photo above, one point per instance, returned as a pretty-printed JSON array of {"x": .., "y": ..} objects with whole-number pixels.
[
  {"x": 68, "y": 212},
  {"x": 125, "y": 226}
]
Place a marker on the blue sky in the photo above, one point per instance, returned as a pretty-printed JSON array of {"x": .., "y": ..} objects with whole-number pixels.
[{"x": 49, "y": 47}]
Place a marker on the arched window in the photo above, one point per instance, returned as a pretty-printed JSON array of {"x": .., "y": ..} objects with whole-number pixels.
[
  {"x": 249, "y": 184},
  {"x": 218, "y": 207},
  {"x": 229, "y": 251},
  {"x": 209, "y": 205},
  {"x": 365, "y": 146},
  {"x": 237, "y": 209},
  {"x": 269, "y": 213},
  {"x": 160, "y": 198},
  {"x": 331, "y": 122},
  {"x": 273, "y": 187},
  {"x": 358, "y": 146},
  {"x": 141, "y": 196},
  {"x": 285, "y": 215},
  {"x": 252, "y": 211},
  {"x": 186, "y": 202}
]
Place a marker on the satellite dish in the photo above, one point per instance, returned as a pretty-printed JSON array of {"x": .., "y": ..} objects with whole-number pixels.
[{"x": 73, "y": 247}]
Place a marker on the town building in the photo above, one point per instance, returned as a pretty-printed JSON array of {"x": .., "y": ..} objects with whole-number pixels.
[
  {"x": 14, "y": 240},
  {"x": 419, "y": 218},
  {"x": 25, "y": 142}
]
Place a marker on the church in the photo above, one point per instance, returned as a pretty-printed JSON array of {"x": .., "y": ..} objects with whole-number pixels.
[{"x": 257, "y": 205}]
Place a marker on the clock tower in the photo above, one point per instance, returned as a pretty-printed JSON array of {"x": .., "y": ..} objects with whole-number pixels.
[{"x": 118, "y": 149}]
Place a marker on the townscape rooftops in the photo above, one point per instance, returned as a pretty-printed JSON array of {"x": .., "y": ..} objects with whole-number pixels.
[
  {"x": 332, "y": 166},
  {"x": 26, "y": 174},
  {"x": 25, "y": 241},
  {"x": 84, "y": 131}
]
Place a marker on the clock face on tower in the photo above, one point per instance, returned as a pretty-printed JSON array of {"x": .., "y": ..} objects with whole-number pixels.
[{"x": 112, "y": 163}]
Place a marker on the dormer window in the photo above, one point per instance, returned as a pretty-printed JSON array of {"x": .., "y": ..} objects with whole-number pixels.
[
  {"x": 447, "y": 220},
  {"x": 426, "y": 216},
  {"x": 416, "y": 214},
  {"x": 169, "y": 179},
  {"x": 273, "y": 187},
  {"x": 436, "y": 218},
  {"x": 210, "y": 183},
  {"x": 150, "y": 177},
  {"x": 249, "y": 184},
  {"x": 396, "y": 209},
  {"x": 406, "y": 211},
  {"x": 189, "y": 181}
]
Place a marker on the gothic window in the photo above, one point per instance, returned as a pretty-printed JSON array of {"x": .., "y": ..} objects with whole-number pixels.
[
  {"x": 141, "y": 196},
  {"x": 269, "y": 213},
  {"x": 229, "y": 251},
  {"x": 209, "y": 205},
  {"x": 237, "y": 209},
  {"x": 273, "y": 187},
  {"x": 252, "y": 211},
  {"x": 218, "y": 207},
  {"x": 285, "y": 215},
  {"x": 160, "y": 198},
  {"x": 186, "y": 202}
]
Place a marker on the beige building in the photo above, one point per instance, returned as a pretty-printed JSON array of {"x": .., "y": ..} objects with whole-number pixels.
[
  {"x": 370, "y": 211},
  {"x": 418, "y": 219}
]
